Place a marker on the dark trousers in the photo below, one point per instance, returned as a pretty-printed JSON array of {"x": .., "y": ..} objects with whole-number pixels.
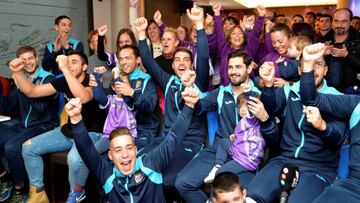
[
  {"x": 347, "y": 191},
  {"x": 11, "y": 140},
  {"x": 314, "y": 178},
  {"x": 191, "y": 178}
]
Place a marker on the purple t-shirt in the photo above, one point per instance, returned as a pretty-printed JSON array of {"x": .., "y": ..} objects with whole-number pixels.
[
  {"x": 119, "y": 115},
  {"x": 248, "y": 146}
]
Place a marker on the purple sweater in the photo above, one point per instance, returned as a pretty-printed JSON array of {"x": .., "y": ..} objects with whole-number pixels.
[
  {"x": 273, "y": 56},
  {"x": 248, "y": 146},
  {"x": 224, "y": 49}
]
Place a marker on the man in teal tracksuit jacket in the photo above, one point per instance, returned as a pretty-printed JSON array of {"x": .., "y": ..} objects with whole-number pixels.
[
  {"x": 345, "y": 107},
  {"x": 131, "y": 179},
  {"x": 314, "y": 148}
]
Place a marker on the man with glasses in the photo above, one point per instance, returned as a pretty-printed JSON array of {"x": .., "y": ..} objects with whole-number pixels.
[{"x": 309, "y": 139}]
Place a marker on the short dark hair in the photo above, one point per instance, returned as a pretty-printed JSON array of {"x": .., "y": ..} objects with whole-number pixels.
[
  {"x": 304, "y": 29},
  {"x": 25, "y": 49},
  {"x": 312, "y": 14},
  {"x": 326, "y": 16},
  {"x": 356, "y": 18},
  {"x": 119, "y": 132},
  {"x": 346, "y": 9},
  {"x": 126, "y": 31},
  {"x": 245, "y": 56},
  {"x": 59, "y": 18},
  {"x": 183, "y": 49},
  {"x": 298, "y": 15},
  {"x": 130, "y": 46},
  {"x": 231, "y": 19},
  {"x": 281, "y": 27},
  {"x": 84, "y": 58},
  {"x": 225, "y": 182}
]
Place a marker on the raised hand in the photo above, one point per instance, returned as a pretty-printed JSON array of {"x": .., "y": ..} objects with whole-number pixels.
[
  {"x": 188, "y": 78},
  {"x": 63, "y": 62},
  {"x": 157, "y": 18},
  {"x": 124, "y": 89},
  {"x": 196, "y": 14},
  {"x": 313, "y": 116},
  {"x": 256, "y": 107},
  {"x": 313, "y": 52},
  {"x": 100, "y": 69},
  {"x": 57, "y": 44},
  {"x": 133, "y": 3},
  {"x": 141, "y": 24},
  {"x": 92, "y": 81},
  {"x": 63, "y": 40},
  {"x": 261, "y": 10},
  {"x": 216, "y": 8},
  {"x": 73, "y": 109},
  {"x": 16, "y": 65},
  {"x": 267, "y": 73},
  {"x": 102, "y": 30},
  {"x": 190, "y": 96},
  {"x": 245, "y": 87}
]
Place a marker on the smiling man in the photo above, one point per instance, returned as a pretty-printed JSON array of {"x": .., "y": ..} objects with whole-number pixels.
[
  {"x": 63, "y": 44},
  {"x": 223, "y": 101},
  {"x": 36, "y": 117},
  {"x": 173, "y": 85},
  {"x": 131, "y": 179},
  {"x": 73, "y": 84}
]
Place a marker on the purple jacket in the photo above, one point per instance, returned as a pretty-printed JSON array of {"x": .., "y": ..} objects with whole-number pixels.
[
  {"x": 248, "y": 146},
  {"x": 273, "y": 56},
  {"x": 224, "y": 49}
]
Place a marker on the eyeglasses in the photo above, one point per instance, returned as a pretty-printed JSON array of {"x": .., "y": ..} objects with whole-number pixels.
[{"x": 320, "y": 64}]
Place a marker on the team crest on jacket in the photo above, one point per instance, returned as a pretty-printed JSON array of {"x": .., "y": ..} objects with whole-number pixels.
[
  {"x": 138, "y": 177},
  {"x": 138, "y": 84}
]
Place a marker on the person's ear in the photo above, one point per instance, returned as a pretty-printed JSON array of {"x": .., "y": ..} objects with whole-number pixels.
[
  {"x": 84, "y": 67},
  {"x": 109, "y": 155}
]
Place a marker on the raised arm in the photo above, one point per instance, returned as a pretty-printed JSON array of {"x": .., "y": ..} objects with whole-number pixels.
[
  {"x": 156, "y": 72},
  {"x": 274, "y": 101},
  {"x": 84, "y": 145},
  {"x": 29, "y": 89},
  {"x": 76, "y": 88},
  {"x": 202, "y": 61},
  {"x": 162, "y": 154},
  {"x": 133, "y": 15}
]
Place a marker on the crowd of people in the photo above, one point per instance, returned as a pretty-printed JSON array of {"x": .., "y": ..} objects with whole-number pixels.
[{"x": 226, "y": 102}]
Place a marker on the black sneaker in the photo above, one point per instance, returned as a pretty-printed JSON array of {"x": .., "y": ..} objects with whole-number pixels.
[
  {"x": 5, "y": 190},
  {"x": 19, "y": 197}
]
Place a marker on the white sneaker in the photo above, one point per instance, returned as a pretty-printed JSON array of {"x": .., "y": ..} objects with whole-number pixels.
[{"x": 211, "y": 176}]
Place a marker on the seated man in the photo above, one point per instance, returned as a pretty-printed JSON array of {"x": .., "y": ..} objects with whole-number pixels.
[
  {"x": 36, "y": 117},
  {"x": 63, "y": 44},
  {"x": 311, "y": 141},
  {"x": 345, "y": 107},
  {"x": 74, "y": 84},
  {"x": 131, "y": 179}
]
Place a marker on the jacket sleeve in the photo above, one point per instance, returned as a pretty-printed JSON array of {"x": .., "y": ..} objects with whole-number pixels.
[
  {"x": 223, "y": 47},
  {"x": 289, "y": 72},
  {"x": 49, "y": 60},
  {"x": 202, "y": 61},
  {"x": 273, "y": 100},
  {"x": 101, "y": 49},
  {"x": 331, "y": 104},
  {"x": 162, "y": 154},
  {"x": 334, "y": 133},
  {"x": 89, "y": 154},
  {"x": 155, "y": 71},
  {"x": 208, "y": 103},
  {"x": 212, "y": 44},
  {"x": 99, "y": 94},
  {"x": 143, "y": 101},
  {"x": 41, "y": 104},
  {"x": 270, "y": 131}
]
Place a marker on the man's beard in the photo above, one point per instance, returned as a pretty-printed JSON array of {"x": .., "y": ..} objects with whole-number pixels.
[
  {"x": 242, "y": 79},
  {"x": 340, "y": 31}
]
